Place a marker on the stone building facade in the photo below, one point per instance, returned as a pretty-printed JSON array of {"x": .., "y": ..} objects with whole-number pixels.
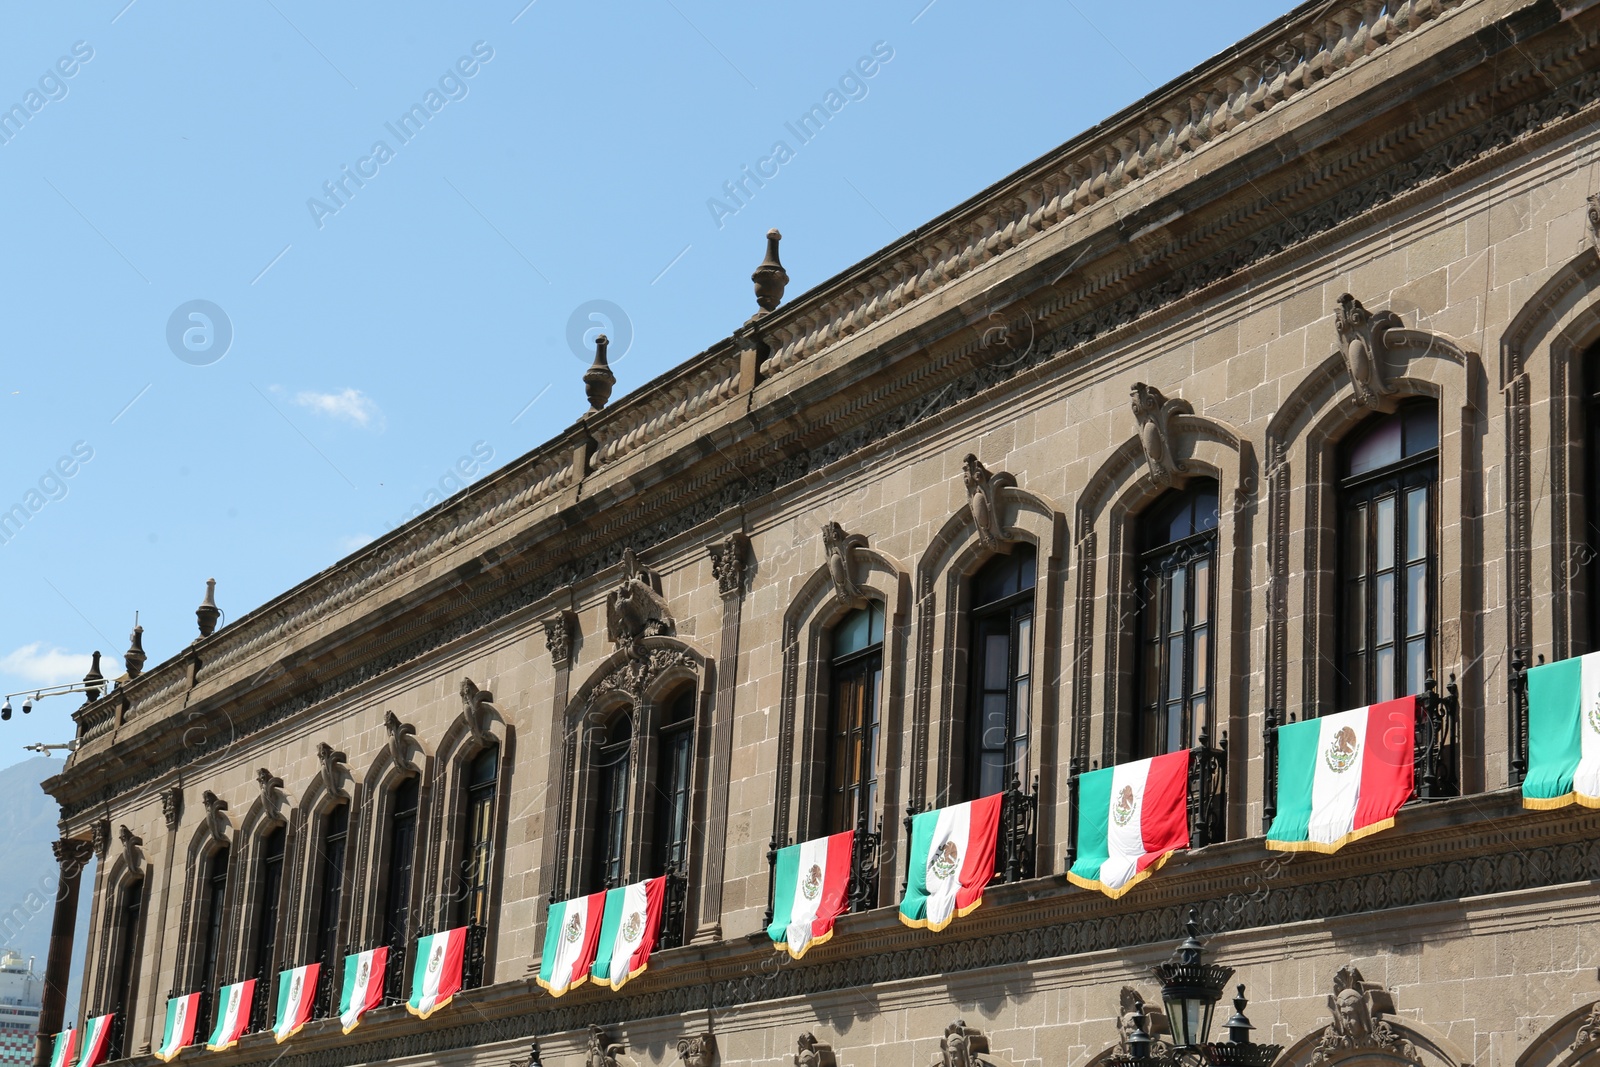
[{"x": 1270, "y": 396}]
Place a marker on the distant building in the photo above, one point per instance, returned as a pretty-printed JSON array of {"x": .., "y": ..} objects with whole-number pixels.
[{"x": 21, "y": 992}]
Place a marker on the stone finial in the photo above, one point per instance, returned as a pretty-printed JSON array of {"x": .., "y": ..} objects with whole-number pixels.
[
  {"x": 559, "y": 632},
  {"x": 1361, "y": 343},
  {"x": 602, "y": 1051},
  {"x": 598, "y": 379},
  {"x": 727, "y": 563},
  {"x": 172, "y": 806},
  {"x": 131, "y": 843},
  {"x": 1157, "y": 434},
  {"x": 93, "y": 682},
  {"x": 841, "y": 548},
  {"x": 961, "y": 1046},
  {"x": 398, "y": 732},
  {"x": 208, "y": 613},
  {"x": 134, "y": 658},
  {"x": 330, "y": 760},
  {"x": 697, "y": 1050},
  {"x": 983, "y": 501},
  {"x": 476, "y": 704},
  {"x": 770, "y": 277},
  {"x": 809, "y": 1052},
  {"x": 636, "y": 607},
  {"x": 1357, "y": 1009}
]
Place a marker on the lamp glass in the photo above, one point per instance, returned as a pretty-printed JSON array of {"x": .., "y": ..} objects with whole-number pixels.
[{"x": 1190, "y": 1016}]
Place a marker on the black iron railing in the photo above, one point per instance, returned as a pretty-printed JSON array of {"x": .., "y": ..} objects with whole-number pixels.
[
  {"x": 1074, "y": 769},
  {"x": 394, "y": 972},
  {"x": 1208, "y": 791},
  {"x": 1437, "y": 741},
  {"x": 119, "y": 1028},
  {"x": 865, "y": 846},
  {"x": 674, "y": 910},
  {"x": 1014, "y": 851},
  {"x": 324, "y": 1003},
  {"x": 1517, "y": 717},
  {"x": 1269, "y": 765},
  {"x": 773, "y": 848},
  {"x": 473, "y": 960},
  {"x": 259, "y": 1019}
]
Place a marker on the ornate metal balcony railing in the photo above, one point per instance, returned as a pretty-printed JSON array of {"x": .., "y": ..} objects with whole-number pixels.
[
  {"x": 674, "y": 910},
  {"x": 119, "y": 1030},
  {"x": 1437, "y": 753},
  {"x": 1517, "y": 717},
  {"x": 259, "y": 1019},
  {"x": 326, "y": 1002},
  {"x": 1207, "y": 795},
  {"x": 861, "y": 890},
  {"x": 394, "y": 972},
  {"x": 477, "y": 952},
  {"x": 1014, "y": 851}
]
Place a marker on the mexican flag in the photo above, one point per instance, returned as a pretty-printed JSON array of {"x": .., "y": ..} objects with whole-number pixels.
[
  {"x": 363, "y": 985},
  {"x": 1563, "y": 734},
  {"x": 1131, "y": 817},
  {"x": 66, "y": 1048},
  {"x": 571, "y": 936},
  {"x": 1342, "y": 777},
  {"x": 297, "y": 989},
  {"x": 808, "y": 892},
  {"x": 179, "y": 1034},
  {"x": 437, "y": 975},
  {"x": 628, "y": 931},
  {"x": 233, "y": 1014},
  {"x": 96, "y": 1036},
  {"x": 952, "y": 859}
]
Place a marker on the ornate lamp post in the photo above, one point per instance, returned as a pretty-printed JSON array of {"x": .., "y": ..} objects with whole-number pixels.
[{"x": 1190, "y": 989}]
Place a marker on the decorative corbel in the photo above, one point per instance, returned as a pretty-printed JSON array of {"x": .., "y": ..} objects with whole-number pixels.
[
  {"x": 172, "y": 806},
  {"x": 272, "y": 796},
  {"x": 560, "y": 630},
  {"x": 697, "y": 1050},
  {"x": 398, "y": 733},
  {"x": 1594, "y": 220},
  {"x": 983, "y": 501},
  {"x": 636, "y": 607},
  {"x": 217, "y": 821},
  {"x": 602, "y": 1051},
  {"x": 841, "y": 548},
  {"x": 100, "y": 837},
  {"x": 961, "y": 1046},
  {"x": 131, "y": 844},
  {"x": 476, "y": 706},
  {"x": 727, "y": 563},
  {"x": 330, "y": 760},
  {"x": 810, "y": 1052},
  {"x": 1155, "y": 415},
  {"x": 1361, "y": 342}
]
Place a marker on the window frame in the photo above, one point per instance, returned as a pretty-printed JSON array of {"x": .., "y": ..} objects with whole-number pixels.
[
  {"x": 399, "y": 878},
  {"x": 213, "y": 930},
  {"x": 1019, "y": 613},
  {"x": 843, "y": 787},
  {"x": 474, "y": 875},
  {"x": 605, "y": 853},
  {"x": 325, "y": 943},
  {"x": 674, "y": 757}
]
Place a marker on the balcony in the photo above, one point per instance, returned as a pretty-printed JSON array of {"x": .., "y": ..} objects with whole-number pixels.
[{"x": 1207, "y": 793}]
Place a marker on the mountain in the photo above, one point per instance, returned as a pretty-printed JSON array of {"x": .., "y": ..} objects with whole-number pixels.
[{"x": 29, "y": 874}]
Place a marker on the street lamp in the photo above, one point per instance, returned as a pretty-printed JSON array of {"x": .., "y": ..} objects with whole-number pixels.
[{"x": 1190, "y": 989}]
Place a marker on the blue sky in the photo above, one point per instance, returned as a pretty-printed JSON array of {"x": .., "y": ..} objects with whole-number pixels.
[{"x": 385, "y": 337}]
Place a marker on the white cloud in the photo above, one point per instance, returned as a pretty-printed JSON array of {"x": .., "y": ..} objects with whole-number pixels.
[
  {"x": 350, "y": 405},
  {"x": 40, "y": 666},
  {"x": 349, "y": 544}
]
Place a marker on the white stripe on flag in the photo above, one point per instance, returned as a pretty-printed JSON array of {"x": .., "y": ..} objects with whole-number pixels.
[
  {"x": 574, "y": 930},
  {"x": 1334, "y": 792},
  {"x": 1586, "y": 776},
  {"x": 803, "y": 911},
  {"x": 1126, "y": 841},
  {"x": 954, "y": 824},
  {"x": 634, "y": 899}
]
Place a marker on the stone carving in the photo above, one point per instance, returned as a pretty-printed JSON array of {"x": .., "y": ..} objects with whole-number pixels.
[
  {"x": 1357, "y": 1008},
  {"x": 559, "y": 631},
  {"x": 217, "y": 821},
  {"x": 697, "y": 1050},
  {"x": 172, "y": 806},
  {"x": 1589, "y": 1028},
  {"x": 770, "y": 277},
  {"x": 636, "y": 608},
  {"x": 602, "y": 1051},
  {"x": 598, "y": 379},
  {"x": 100, "y": 837},
  {"x": 1130, "y": 1007},
  {"x": 727, "y": 563},
  {"x": 635, "y": 675},
  {"x": 841, "y": 549},
  {"x": 71, "y": 855},
  {"x": 476, "y": 706},
  {"x": 1154, "y": 414},
  {"x": 1361, "y": 343},
  {"x": 398, "y": 732},
  {"x": 330, "y": 760},
  {"x": 272, "y": 797},
  {"x": 131, "y": 843},
  {"x": 961, "y": 1046},
  {"x": 983, "y": 500},
  {"x": 1594, "y": 218},
  {"x": 810, "y": 1052}
]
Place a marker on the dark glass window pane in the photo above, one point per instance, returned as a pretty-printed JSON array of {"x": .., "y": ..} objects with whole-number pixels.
[
  {"x": 128, "y": 928},
  {"x": 266, "y": 940},
  {"x": 1177, "y": 577},
  {"x": 673, "y": 787},
  {"x": 1378, "y": 447},
  {"x": 477, "y": 859},
  {"x": 397, "y": 887},
  {"x": 611, "y": 764},
  {"x": 330, "y": 881},
  {"x": 215, "y": 887}
]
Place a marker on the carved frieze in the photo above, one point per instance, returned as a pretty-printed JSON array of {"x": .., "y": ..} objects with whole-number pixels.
[
  {"x": 1157, "y": 434},
  {"x": 634, "y": 675},
  {"x": 1358, "y": 1008},
  {"x": 841, "y": 548},
  {"x": 983, "y": 501},
  {"x": 727, "y": 563},
  {"x": 560, "y": 630}
]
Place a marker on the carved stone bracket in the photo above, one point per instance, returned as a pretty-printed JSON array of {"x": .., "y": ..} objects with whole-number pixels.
[
  {"x": 131, "y": 844},
  {"x": 217, "y": 821},
  {"x": 1131, "y": 1005},
  {"x": 810, "y": 1052},
  {"x": 983, "y": 501},
  {"x": 272, "y": 796},
  {"x": 1589, "y": 1028},
  {"x": 330, "y": 761},
  {"x": 399, "y": 733},
  {"x": 476, "y": 706},
  {"x": 602, "y": 1051},
  {"x": 1357, "y": 1008},
  {"x": 172, "y": 806},
  {"x": 636, "y": 607},
  {"x": 697, "y": 1050},
  {"x": 961, "y": 1046},
  {"x": 1361, "y": 342},
  {"x": 559, "y": 632},
  {"x": 100, "y": 837},
  {"x": 1158, "y": 434},
  {"x": 1594, "y": 220},
  {"x": 841, "y": 548},
  {"x": 727, "y": 563}
]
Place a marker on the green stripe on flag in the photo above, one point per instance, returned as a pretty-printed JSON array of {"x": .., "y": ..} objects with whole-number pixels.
[
  {"x": 1555, "y": 718},
  {"x": 1297, "y": 769},
  {"x": 1094, "y": 807},
  {"x": 553, "y": 922},
  {"x": 788, "y": 873}
]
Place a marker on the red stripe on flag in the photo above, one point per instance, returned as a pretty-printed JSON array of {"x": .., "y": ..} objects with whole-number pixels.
[
  {"x": 655, "y": 895},
  {"x": 1387, "y": 765},
  {"x": 1164, "y": 815},
  {"x": 977, "y": 867},
  {"x": 835, "y": 883}
]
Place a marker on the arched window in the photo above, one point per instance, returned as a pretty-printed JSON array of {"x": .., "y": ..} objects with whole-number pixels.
[
  {"x": 1388, "y": 469},
  {"x": 130, "y": 908},
  {"x": 674, "y": 767},
  {"x": 214, "y": 889},
  {"x": 270, "y": 883},
  {"x": 855, "y": 675},
  {"x": 607, "y": 858},
  {"x": 330, "y": 895},
  {"x": 397, "y": 891},
  {"x": 1001, "y": 658},
  {"x": 477, "y": 836},
  {"x": 1178, "y": 591}
]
